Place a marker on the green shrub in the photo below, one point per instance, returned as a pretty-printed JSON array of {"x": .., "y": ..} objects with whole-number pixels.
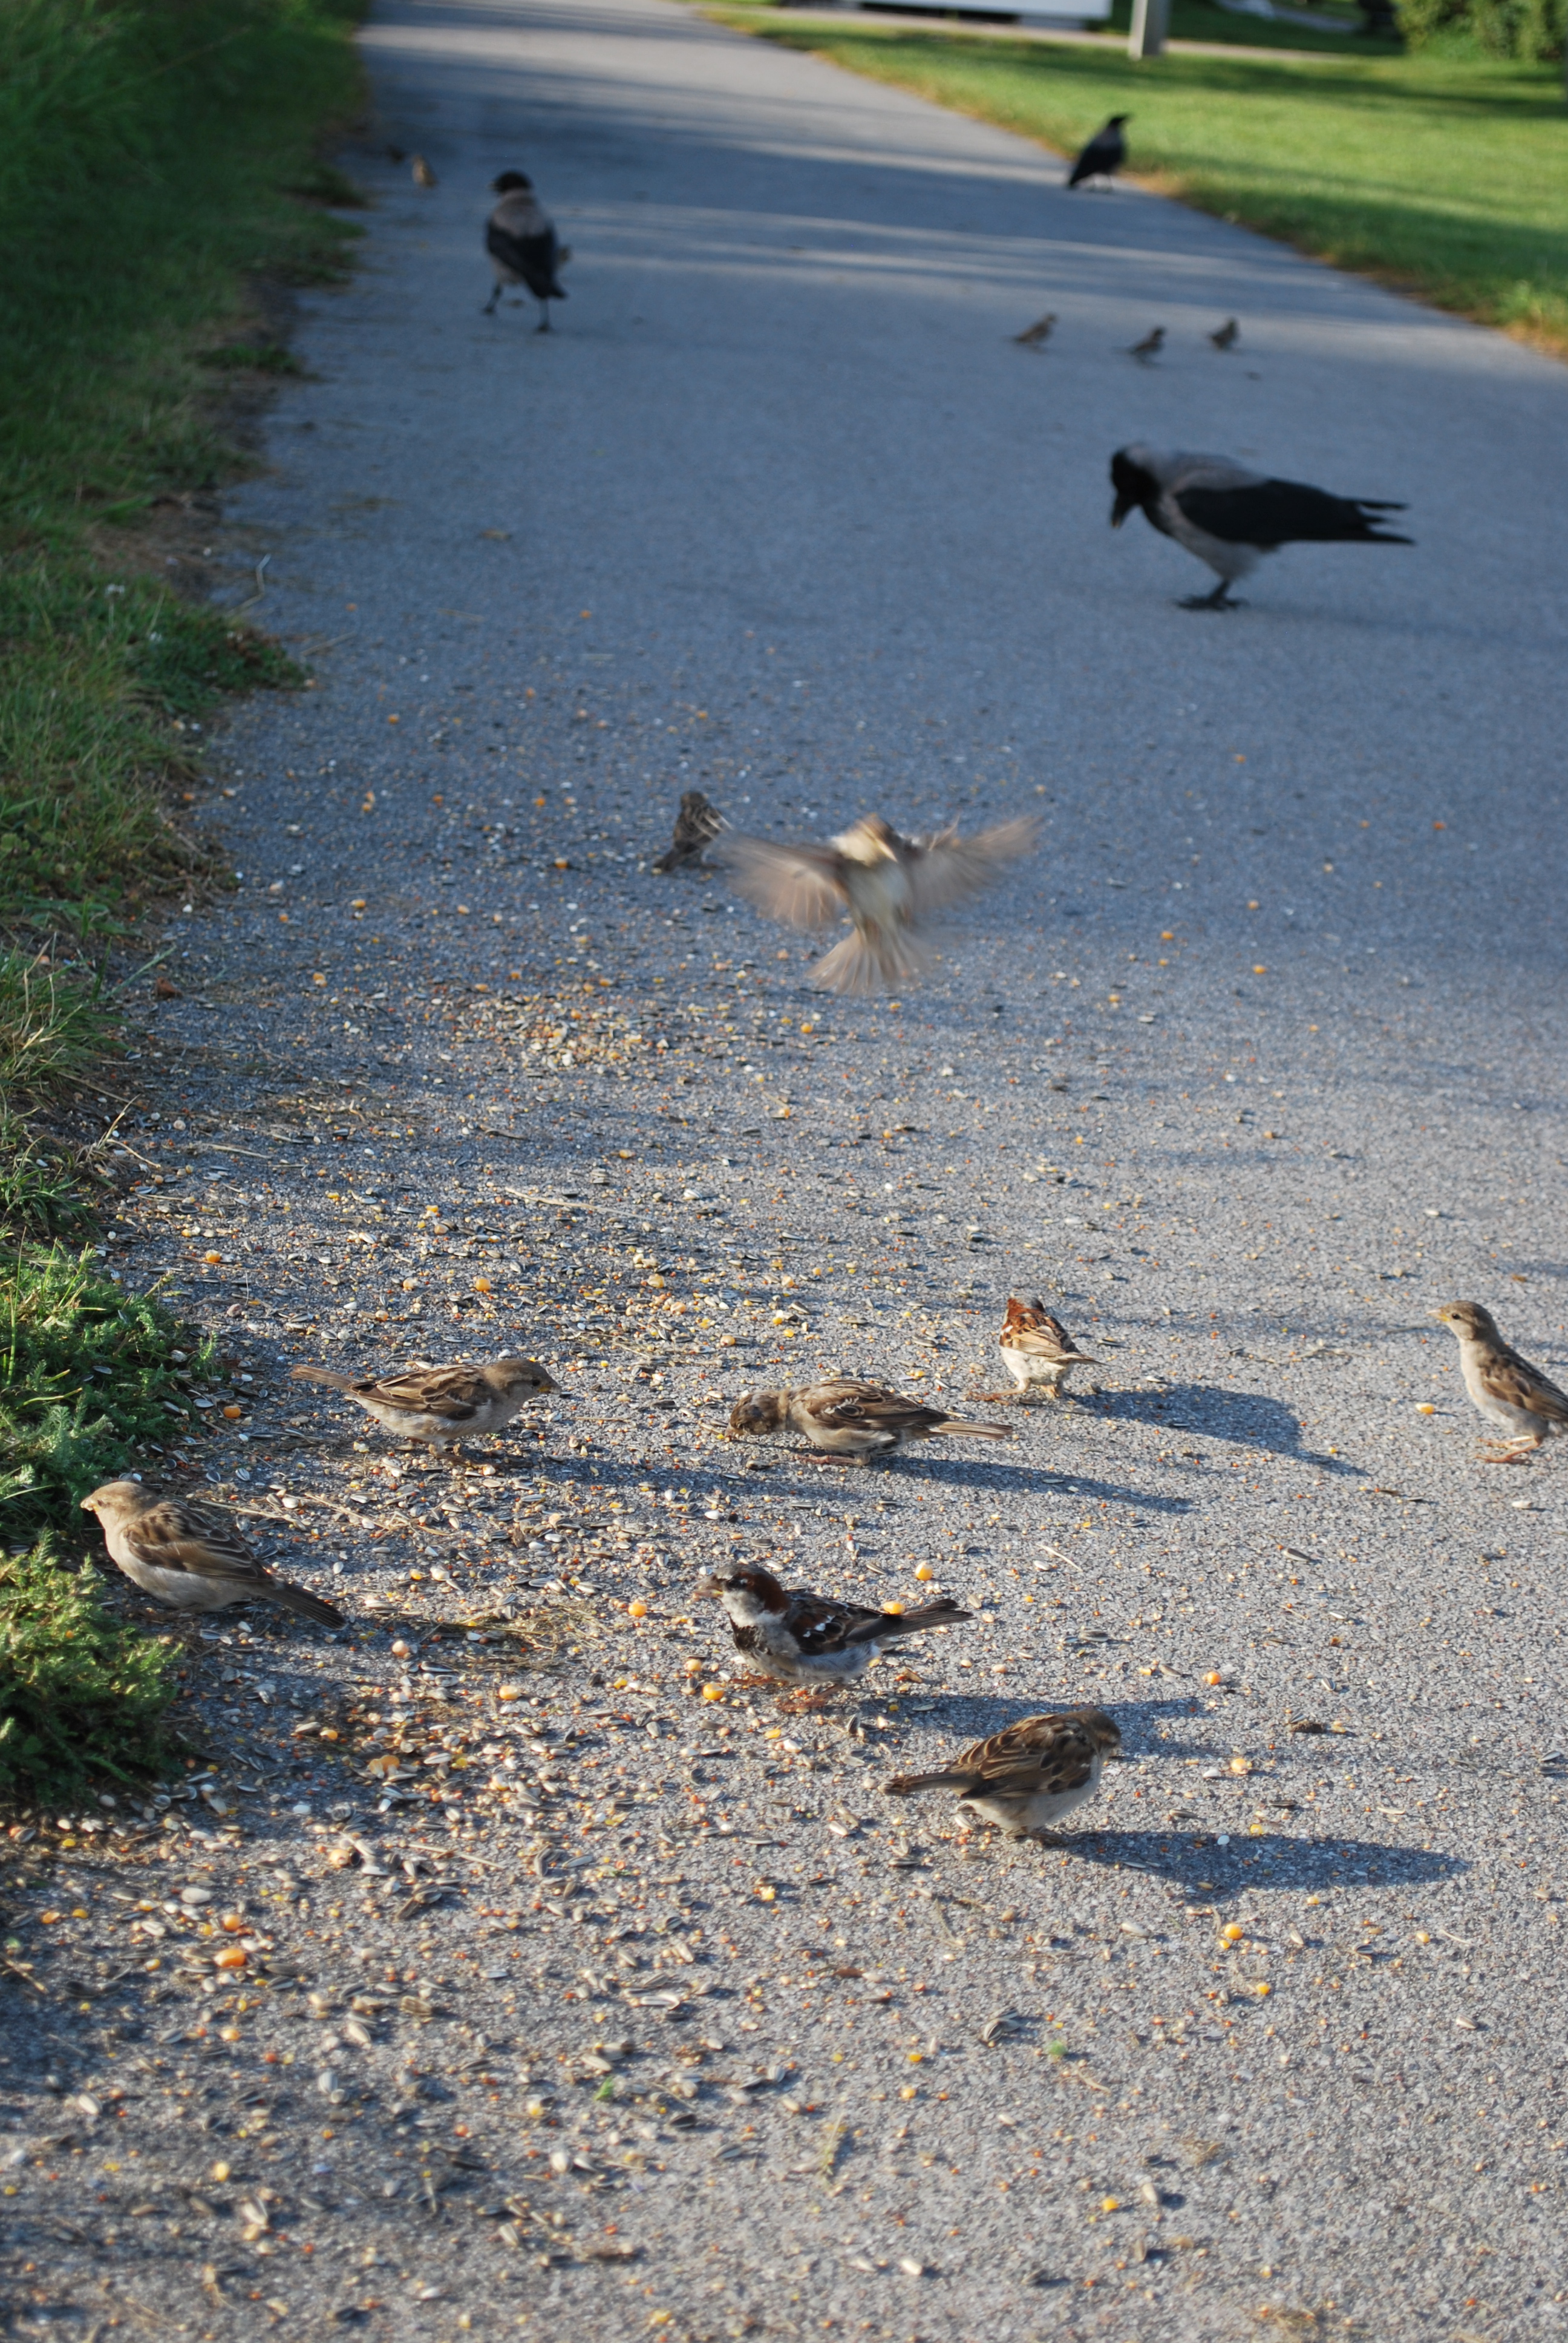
[
  {"x": 1530, "y": 30},
  {"x": 83, "y": 1698}
]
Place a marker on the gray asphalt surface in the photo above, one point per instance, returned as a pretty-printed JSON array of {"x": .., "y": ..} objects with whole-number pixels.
[{"x": 576, "y": 2003}]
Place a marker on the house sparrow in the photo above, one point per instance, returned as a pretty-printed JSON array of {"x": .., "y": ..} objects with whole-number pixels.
[
  {"x": 1226, "y": 336},
  {"x": 1509, "y": 1392},
  {"x": 1228, "y": 515},
  {"x": 1148, "y": 347},
  {"x": 1104, "y": 154},
  {"x": 807, "y": 1639},
  {"x": 1026, "y": 1777},
  {"x": 1035, "y": 336},
  {"x": 523, "y": 248},
  {"x": 887, "y": 885},
  {"x": 1037, "y": 1348},
  {"x": 852, "y": 1419},
  {"x": 422, "y": 175},
  {"x": 696, "y": 825},
  {"x": 177, "y": 1553},
  {"x": 441, "y": 1404}
]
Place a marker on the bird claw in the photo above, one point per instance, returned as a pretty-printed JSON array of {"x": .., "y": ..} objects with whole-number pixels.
[{"x": 1211, "y": 602}]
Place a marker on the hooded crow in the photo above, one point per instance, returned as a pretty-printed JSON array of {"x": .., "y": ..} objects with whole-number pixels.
[
  {"x": 521, "y": 238},
  {"x": 1104, "y": 154},
  {"x": 1228, "y": 515}
]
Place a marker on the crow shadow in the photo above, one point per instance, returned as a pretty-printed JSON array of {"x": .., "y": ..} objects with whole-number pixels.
[{"x": 1248, "y": 1419}]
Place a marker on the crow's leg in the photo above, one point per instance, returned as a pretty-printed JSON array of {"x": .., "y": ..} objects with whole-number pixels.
[
  {"x": 544, "y": 325},
  {"x": 489, "y": 309},
  {"x": 1219, "y": 600}
]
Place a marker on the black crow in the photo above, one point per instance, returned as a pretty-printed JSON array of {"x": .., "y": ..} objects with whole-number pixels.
[
  {"x": 521, "y": 238},
  {"x": 1226, "y": 336},
  {"x": 1148, "y": 347},
  {"x": 696, "y": 825},
  {"x": 1104, "y": 154},
  {"x": 1228, "y": 515},
  {"x": 1035, "y": 336}
]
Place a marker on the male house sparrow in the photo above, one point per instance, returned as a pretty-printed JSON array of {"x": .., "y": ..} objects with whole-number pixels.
[
  {"x": 1509, "y": 1392},
  {"x": 807, "y": 1639},
  {"x": 1028, "y": 1775},
  {"x": 523, "y": 248},
  {"x": 441, "y": 1404},
  {"x": 851, "y": 1419},
  {"x": 887, "y": 885},
  {"x": 181, "y": 1555},
  {"x": 696, "y": 825},
  {"x": 1037, "y": 1348}
]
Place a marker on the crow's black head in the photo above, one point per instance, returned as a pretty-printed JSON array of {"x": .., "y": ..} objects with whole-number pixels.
[
  {"x": 1135, "y": 486},
  {"x": 508, "y": 183}
]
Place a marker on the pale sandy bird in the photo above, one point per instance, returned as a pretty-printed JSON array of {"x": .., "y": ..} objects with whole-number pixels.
[
  {"x": 696, "y": 825},
  {"x": 889, "y": 886},
  {"x": 523, "y": 248},
  {"x": 809, "y": 1639},
  {"x": 1226, "y": 336},
  {"x": 1029, "y": 1777},
  {"x": 1506, "y": 1389},
  {"x": 841, "y": 1417},
  {"x": 441, "y": 1404},
  {"x": 1035, "y": 336},
  {"x": 1150, "y": 348},
  {"x": 422, "y": 175},
  {"x": 1037, "y": 1350},
  {"x": 184, "y": 1556}
]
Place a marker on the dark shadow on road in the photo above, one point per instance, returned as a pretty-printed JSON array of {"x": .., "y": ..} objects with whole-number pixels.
[{"x": 1250, "y": 1419}]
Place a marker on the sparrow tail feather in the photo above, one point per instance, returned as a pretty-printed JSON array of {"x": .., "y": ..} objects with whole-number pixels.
[
  {"x": 303, "y": 1606},
  {"x": 861, "y": 963}
]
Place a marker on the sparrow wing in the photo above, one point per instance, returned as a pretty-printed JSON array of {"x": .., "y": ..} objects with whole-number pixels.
[
  {"x": 875, "y": 1406},
  {"x": 175, "y": 1537},
  {"x": 453, "y": 1394},
  {"x": 949, "y": 867},
  {"x": 1053, "y": 1754},
  {"x": 820, "y": 1626},
  {"x": 799, "y": 884},
  {"x": 1517, "y": 1383}
]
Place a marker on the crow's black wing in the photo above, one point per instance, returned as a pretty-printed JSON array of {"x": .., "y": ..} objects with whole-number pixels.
[
  {"x": 534, "y": 259},
  {"x": 1270, "y": 513},
  {"x": 1104, "y": 153}
]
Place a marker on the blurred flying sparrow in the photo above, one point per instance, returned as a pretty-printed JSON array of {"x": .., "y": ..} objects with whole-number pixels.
[
  {"x": 1509, "y": 1392},
  {"x": 440, "y": 1405},
  {"x": 1028, "y": 1775},
  {"x": 1037, "y": 1349},
  {"x": 181, "y": 1555},
  {"x": 889, "y": 886},
  {"x": 696, "y": 825},
  {"x": 809, "y": 1639},
  {"x": 851, "y": 1419}
]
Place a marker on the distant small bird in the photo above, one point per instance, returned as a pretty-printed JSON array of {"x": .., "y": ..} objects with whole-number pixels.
[
  {"x": 807, "y": 1639},
  {"x": 181, "y": 1555},
  {"x": 1509, "y": 1392},
  {"x": 696, "y": 825},
  {"x": 1228, "y": 515},
  {"x": 1226, "y": 336},
  {"x": 1028, "y": 1775},
  {"x": 1104, "y": 154},
  {"x": 855, "y": 1420},
  {"x": 523, "y": 248},
  {"x": 440, "y": 1405},
  {"x": 1037, "y": 1348},
  {"x": 887, "y": 885},
  {"x": 1148, "y": 347},
  {"x": 423, "y": 176},
  {"x": 1035, "y": 336}
]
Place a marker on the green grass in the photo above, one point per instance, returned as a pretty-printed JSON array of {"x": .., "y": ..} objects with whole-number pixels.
[
  {"x": 1444, "y": 172},
  {"x": 84, "y": 1700}
]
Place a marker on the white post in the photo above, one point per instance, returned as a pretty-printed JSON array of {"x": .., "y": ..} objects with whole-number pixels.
[{"x": 1149, "y": 19}]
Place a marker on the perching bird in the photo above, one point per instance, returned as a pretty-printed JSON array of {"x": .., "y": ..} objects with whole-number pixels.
[
  {"x": 1035, "y": 336},
  {"x": 1150, "y": 348},
  {"x": 1037, "y": 1348},
  {"x": 441, "y": 1404},
  {"x": 423, "y": 176},
  {"x": 1026, "y": 1777},
  {"x": 1104, "y": 154},
  {"x": 1228, "y": 515},
  {"x": 182, "y": 1556},
  {"x": 807, "y": 1639},
  {"x": 521, "y": 238},
  {"x": 845, "y": 1418},
  {"x": 1226, "y": 336},
  {"x": 1509, "y": 1392},
  {"x": 887, "y": 885},
  {"x": 696, "y": 825}
]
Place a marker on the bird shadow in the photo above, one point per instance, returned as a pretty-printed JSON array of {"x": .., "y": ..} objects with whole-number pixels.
[
  {"x": 966, "y": 1473},
  {"x": 1246, "y": 1419},
  {"x": 1199, "y": 1865}
]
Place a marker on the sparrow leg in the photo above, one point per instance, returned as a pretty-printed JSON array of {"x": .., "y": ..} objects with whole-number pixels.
[
  {"x": 1219, "y": 600},
  {"x": 1513, "y": 1452},
  {"x": 800, "y": 1701}
]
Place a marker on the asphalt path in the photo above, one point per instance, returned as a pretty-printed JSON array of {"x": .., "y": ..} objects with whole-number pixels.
[{"x": 1257, "y": 1063}]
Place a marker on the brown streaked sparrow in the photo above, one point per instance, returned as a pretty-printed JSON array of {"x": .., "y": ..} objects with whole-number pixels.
[
  {"x": 696, "y": 825},
  {"x": 1026, "y": 1777},
  {"x": 887, "y": 885},
  {"x": 851, "y": 1419},
  {"x": 440, "y": 1405},
  {"x": 1506, "y": 1389},
  {"x": 810, "y": 1639},
  {"x": 1035, "y": 336},
  {"x": 1037, "y": 1349},
  {"x": 181, "y": 1555}
]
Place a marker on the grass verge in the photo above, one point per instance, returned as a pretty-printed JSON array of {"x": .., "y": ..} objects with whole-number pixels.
[{"x": 1439, "y": 173}]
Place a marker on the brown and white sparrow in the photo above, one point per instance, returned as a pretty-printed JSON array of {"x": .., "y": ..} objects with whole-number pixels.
[
  {"x": 1149, "y": 348},
  {"x": 1509, "y": 1392},
  {"x": 523, "y": 248},
  {"x": 1037, "y": 1349},
  {"x": 857, "y": 1419},
  {"x": 1026, "y": 1777},
  {"x": 422, "y": 175},
  {"x": 1226, "y": 336},
  {"x": 183, "y": 1556},
  {"x": 809, "y": 1639},
  {"x": 440, "y": 1405},
  {"x": 1035, "y": 336},
  {"x": 696, "y": 825},
  {"x": 888, "y": 886}
]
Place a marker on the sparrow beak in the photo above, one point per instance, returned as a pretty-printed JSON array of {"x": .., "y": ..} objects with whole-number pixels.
[
  {"x": 708, "y": 1586},
  {"x": 87, "y": 1505}
]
